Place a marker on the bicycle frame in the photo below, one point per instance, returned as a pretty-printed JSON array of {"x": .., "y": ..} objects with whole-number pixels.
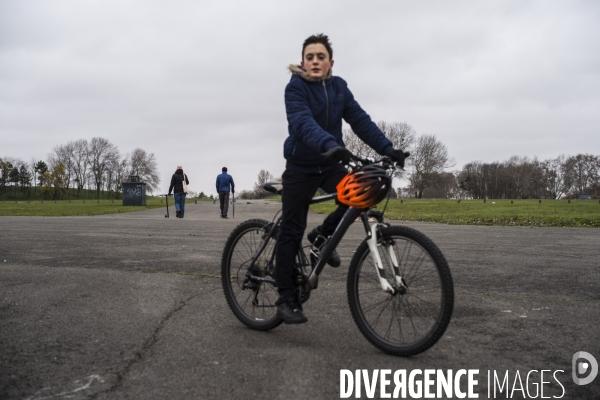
[
  {"x": 348, "y": 218},
  {"x": 403, "y": 313}
]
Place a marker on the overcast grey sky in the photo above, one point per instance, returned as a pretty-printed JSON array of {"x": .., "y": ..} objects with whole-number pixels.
[{"x": 200, "y": 83}]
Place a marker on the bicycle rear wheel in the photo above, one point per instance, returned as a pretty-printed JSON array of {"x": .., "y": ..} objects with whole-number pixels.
[
  {"x": 415, "y": 318},
  {"x": 254, "y": 307}
]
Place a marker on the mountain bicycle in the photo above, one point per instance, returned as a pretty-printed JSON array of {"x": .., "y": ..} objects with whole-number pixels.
[{"x": 399, "y": 285}]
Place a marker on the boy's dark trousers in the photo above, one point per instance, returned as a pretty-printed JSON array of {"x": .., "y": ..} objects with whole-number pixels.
[
  {"x": 224, "y": 201},
  {"x": 298, "y": 189}
]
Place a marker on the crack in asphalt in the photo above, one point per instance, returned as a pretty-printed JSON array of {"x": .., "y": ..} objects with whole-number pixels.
[{"x": 139, "y": 355}]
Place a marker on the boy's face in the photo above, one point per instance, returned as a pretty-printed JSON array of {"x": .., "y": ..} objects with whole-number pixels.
[{"x": 316, "y": 61}]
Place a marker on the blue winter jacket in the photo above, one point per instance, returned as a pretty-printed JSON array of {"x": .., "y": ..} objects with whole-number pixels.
[
  {"x": 224, "y": 181},
  {"x": 315, "y": 109}
]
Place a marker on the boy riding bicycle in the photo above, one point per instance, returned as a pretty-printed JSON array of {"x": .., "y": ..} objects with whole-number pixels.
[{"x": 316, "y": 102}]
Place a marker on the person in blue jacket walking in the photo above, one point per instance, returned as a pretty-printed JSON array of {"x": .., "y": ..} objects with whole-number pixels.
[
  {"x": 224, "y": 184},
  {"x": 316, "y": 102}
]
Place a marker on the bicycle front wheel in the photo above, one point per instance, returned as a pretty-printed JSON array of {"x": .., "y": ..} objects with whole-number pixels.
[
  {"x": 254, "y": 306},
  {"x": 415, "y": 318}
]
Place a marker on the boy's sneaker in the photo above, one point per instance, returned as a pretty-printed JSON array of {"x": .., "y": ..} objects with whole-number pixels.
[
  {"x": 290, "y": 312},
  {"x": 318, "y": 240},
  {"x": 178, "y": 213}
]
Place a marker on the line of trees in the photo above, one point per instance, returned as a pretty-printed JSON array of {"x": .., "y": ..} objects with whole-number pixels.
[
  {"x": 428, "y": 175},
  {"x": 95, "y": 164},
  {"x": 517, "y": 178},
  {"x": 524, "y": 178}
]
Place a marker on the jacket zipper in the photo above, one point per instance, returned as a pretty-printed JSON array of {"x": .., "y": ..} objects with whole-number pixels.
[
  {"x": 327, "y": 120},
  {"x": 327, "y": 99}
]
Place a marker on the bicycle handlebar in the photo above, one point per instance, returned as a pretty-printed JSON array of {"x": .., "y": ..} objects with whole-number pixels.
[{"x": 385, "y": 161}]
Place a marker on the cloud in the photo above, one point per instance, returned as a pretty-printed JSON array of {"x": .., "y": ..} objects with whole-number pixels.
[{"x": 201, "y": 83}]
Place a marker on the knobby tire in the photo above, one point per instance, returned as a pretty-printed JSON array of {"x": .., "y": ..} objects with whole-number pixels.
[
  {"x": 402, "y": 324},
  {"x": 254, "y": 308}
]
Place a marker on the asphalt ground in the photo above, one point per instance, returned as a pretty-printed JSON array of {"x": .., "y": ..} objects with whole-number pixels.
[{"x": 130, "y": 306}]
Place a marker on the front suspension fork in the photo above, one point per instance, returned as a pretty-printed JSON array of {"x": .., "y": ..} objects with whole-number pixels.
[{"x": 372, "y": 241}]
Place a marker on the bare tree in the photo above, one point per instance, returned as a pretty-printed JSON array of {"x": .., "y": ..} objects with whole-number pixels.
[
  {"x": 582, "y": 172},
  {"x": 535, "y": 186},
  {"x": 445, "y": 186},
  {"x": 526, "y": 177},
  {"x": 469, "y": 179},
  {"x": 33, "y": 172},
  {"x": 514, "y": 169},
  {"x": 355, "y": 145},
  {"x": 263, "y": 177},
  {"x": 429, "y": 156},
  {"x": 109, "y": 180},
  {"x": 25, "y": 179},
  {"x": 80, "y": 163},
  {"x": 102, "y": 154},
  {"x": 144, "y": 165},
  {"x": 121, "y": 170},
  {"x": 401, "y": 134}
]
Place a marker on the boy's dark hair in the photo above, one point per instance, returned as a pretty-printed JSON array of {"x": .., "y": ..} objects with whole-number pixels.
[
  {"x": 224, "y": 169},
  {"x": 320, "y": 38}
]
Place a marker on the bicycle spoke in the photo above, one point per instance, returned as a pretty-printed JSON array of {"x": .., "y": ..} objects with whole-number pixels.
[
  {"x": 410, "y": 317},
  {"x": 371, "y": 306},
  {"x": 401, "y": 333},
  {"x": 389, "y": 328}
]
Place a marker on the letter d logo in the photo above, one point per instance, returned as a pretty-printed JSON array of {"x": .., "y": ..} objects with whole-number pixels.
[{"x": 580, "y": 368}]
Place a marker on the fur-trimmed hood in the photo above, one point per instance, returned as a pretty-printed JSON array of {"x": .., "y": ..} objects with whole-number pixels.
[{"x": 298, "y": 70}]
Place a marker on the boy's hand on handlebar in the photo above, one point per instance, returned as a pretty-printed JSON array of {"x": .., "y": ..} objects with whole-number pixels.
[
  {"x": 398, "y": 156},
  {"x": 339, "y": 153}
]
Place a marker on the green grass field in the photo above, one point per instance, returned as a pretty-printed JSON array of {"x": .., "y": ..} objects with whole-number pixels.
[
  {"x": 577, "y": 213},
  {"x": 64, "y": 208}
]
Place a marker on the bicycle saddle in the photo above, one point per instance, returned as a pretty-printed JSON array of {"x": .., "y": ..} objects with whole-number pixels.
[{"x": 273, "y": 187}]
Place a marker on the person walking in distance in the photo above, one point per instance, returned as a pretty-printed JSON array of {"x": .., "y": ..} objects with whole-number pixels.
[
  {"x": 177, "y": 187},
  {"x": 316, "y": 102},
  {"x": 224, "y": 185}
]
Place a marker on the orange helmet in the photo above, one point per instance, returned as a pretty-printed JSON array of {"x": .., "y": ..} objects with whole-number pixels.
[{"x": 364, "y": 187}]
